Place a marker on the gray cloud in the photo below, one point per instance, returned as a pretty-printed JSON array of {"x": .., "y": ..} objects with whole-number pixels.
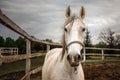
[
  {"x": 7, "y": 32},
  {"x": 45, "y": 18}
]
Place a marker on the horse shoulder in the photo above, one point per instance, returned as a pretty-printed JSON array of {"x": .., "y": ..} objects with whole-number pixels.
[
  {"x": 53, "y": 52},
  {"x": 81, "y": 72},
  {"x": 52, "y": 57}
]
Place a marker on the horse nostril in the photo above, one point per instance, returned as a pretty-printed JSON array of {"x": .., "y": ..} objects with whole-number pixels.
[
  {"x": 68, "y": 57},
  {"x": 78, "y": 57}
]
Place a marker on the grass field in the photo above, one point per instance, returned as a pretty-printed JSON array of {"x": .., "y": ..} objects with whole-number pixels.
[
  {"x": 20, "y": 65},
  {"x": 105, "y": 58}
]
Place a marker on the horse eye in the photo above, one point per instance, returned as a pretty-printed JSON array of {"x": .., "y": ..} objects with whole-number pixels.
[
  {"x": 65, "y": 29},
  {"x": 83, "y": 29}
]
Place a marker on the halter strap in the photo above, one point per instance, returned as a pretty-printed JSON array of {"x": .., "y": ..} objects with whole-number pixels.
[{"x": 78, "y": 42}]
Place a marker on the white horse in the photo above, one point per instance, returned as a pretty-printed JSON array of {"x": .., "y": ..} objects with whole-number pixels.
[{"x": 65, "y": 63}]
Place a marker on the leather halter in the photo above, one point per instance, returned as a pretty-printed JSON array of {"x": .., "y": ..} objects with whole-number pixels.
[{"x": 78, "y": 42}]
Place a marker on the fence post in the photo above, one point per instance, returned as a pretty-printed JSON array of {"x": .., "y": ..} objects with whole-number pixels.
[
  {"x": 0, "y": 57},
  {"x": 48, "y": 47},
  {"x": 84, "y": 54},
  {"x": 28, "y": 61},
  {"x": 0, "y": 52},
  {"x": 17, "y": 51},
  {"x": 11, "y": 51},
  {"x": 102, "y": 55}
]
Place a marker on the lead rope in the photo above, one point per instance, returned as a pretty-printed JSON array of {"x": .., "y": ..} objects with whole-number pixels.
[{"x": 75, "y": 70}]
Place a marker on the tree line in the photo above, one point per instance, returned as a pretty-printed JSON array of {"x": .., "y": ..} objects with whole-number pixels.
[
  {"x": 107, "y": 38},
  {"x": 20, "y": 43}
]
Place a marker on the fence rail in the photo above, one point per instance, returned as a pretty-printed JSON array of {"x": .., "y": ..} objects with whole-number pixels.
[
  {"x": 102, "y": 54},
  {"x": 102, "y": 48},
  {"x": 8, "y": 59},
  {"x": 8, "y": 50}
]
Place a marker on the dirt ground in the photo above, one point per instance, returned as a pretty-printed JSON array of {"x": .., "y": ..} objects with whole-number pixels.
[
  {"x": 103, "y": 71},
  {"x": 94, "y": 71}
]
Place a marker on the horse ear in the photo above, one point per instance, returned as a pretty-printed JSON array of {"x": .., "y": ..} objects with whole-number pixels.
[
  {"x": 82, "y": 12},
  {"x": 68, "y": 12}
]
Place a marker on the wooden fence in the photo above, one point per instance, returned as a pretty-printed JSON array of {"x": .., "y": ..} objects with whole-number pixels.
[
  {"x": 10, "y": 24},
  {"x": 101, "y": 55},
  {"x": 8, "y": 50}
]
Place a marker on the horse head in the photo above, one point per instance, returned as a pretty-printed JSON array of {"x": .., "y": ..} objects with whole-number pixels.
[{"x": 73, "y": 39}]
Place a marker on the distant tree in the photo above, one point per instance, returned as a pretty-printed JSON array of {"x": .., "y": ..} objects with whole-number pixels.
[
  {"x": 9, "y": 42},
  {"x": 101, "y": 45},
  {"x": 117, "y": 40},
  {"x": 35, "y": 46},
  {"x": 110, "y": 38},
  {"x": 21, "y": 44},
  {"x": 48, "y": 40},
  {"x": 39, "y": 46},
  {"x": 2, "y": 41},
  {"x": 88, "y": 39}
]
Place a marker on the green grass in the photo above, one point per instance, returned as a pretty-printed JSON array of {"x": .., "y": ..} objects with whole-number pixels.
[
  {"x": 112, "y": 58},
  {"x": 20, "y": 65},
  {"x": 38, "y": 61},
  {"x": 100, "y": 58},
  {"x": 93, "y": 57}
]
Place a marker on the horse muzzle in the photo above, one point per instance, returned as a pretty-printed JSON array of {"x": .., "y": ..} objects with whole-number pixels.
[{"x": 74, "y": 60}]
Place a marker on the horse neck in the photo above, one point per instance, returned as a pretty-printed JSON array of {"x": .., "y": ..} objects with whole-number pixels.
[
  {"x": 64, "y": 56},
  {"x": 66, "y": 64}
]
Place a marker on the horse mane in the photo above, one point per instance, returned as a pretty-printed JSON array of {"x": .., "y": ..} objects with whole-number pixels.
[{"x": 63, "y": 47}]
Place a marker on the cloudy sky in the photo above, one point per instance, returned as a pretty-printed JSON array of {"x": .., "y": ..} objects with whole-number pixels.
[{"x": 45, "y": 18}]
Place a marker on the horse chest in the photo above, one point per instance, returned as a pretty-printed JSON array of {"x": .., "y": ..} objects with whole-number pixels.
[{"x": 61, "y": 74}]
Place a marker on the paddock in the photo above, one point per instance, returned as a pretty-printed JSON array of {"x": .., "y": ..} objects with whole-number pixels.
[
  {"x": 104, "y": 67},
  {"x": 93, "y": 71}
]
